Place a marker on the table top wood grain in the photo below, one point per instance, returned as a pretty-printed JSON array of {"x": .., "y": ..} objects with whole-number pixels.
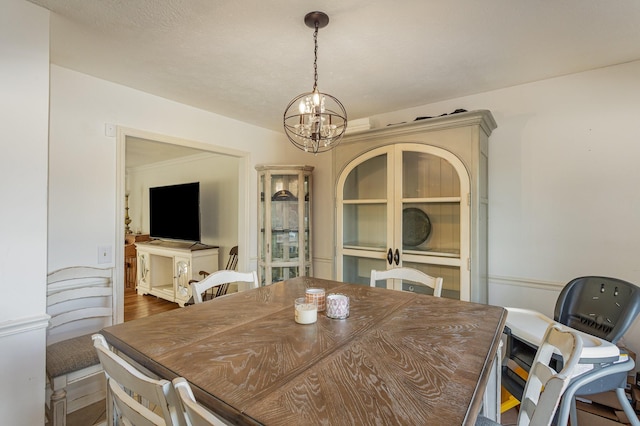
[{"x": 400, "y": 358}]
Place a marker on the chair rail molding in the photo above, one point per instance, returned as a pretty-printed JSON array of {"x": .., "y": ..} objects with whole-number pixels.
[
  {"x": 518, "y": 292},
  {"x": 526, "y": 282},
  {"x": 24, "y": 325}
]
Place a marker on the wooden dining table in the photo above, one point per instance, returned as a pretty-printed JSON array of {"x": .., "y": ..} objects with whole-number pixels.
[{"x": 399, "y": 358}]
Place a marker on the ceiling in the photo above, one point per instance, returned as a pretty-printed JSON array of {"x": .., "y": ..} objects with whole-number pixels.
[{"x": 247, "y": 59}]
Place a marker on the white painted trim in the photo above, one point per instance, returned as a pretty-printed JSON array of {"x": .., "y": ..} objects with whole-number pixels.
[
  {"x": 526, "y": 283},
  {"x": 24, "y": 325},
  {"x": 243, "y": 216}
]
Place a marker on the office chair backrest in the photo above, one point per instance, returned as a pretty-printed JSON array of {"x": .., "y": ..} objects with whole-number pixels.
[{"x": 600, "y": 306}]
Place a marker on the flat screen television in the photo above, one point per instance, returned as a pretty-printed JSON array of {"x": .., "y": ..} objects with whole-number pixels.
[{"x": 174, "y": 212}]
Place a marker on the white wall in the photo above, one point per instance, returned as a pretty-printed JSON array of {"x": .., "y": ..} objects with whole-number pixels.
[
  {"x": 82, "y": 217},
  {"x": 218, "y": 178},
  {"x": 24, "y": 88},
  {"x": 563, "y": 183}
]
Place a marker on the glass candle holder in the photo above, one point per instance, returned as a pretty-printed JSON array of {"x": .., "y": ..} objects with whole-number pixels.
[
  {"x": 305, "y": 312},
  {"x": 337, "y": 306},
  {"x": 316, "y": 295}
]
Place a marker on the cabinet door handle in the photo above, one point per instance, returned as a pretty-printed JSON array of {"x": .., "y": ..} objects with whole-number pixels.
[
  {"x": 390, "y": 256},
  {"x": 396, "y": 257}
]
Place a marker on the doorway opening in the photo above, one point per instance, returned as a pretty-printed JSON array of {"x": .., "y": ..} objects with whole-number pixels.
[{"x": 146, "y": 160}]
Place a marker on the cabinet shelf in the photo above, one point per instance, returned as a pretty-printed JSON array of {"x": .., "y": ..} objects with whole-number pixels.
[{"x": 430, "y": 200}]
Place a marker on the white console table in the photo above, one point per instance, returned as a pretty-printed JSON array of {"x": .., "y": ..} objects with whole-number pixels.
[{"x": 165, "y": 267}]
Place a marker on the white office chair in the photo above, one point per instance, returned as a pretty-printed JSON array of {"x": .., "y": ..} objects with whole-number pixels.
[
  {"x": 408, "y": 274},
  {"x": 124, "y": 382},
  {"x": 220, "y": 278},
  {"x": 195, "y": 413},
  {"x": 545, "y": 386}
]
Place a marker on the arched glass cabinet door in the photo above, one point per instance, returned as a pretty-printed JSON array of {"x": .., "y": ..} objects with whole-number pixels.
[{"x": 404, "y": 205}]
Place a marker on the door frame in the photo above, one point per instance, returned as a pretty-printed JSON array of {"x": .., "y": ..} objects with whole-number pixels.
[{"x": 122, "y": 133}]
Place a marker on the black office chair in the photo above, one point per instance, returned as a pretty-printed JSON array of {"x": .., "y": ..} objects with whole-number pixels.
[{"x": 601, "y": 306}]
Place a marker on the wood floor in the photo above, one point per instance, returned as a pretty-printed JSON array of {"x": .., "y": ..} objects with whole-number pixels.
[{"x": 137, "y": 306}]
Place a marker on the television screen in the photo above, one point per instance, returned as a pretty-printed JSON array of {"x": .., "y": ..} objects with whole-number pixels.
[{"x": 174, "y": 212}]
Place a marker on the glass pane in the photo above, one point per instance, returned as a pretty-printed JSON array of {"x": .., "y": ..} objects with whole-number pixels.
[
  {"x": 307, "y": 254},
  {"x": 306, "y": 188},
  {"x": 368, "y": 180},
  {"x": 284, "y": 187},
  {"x": 281, "y": 273},
  {"x": 262, "y": 273},
  {"x": 284, "y": 215},
  {"x": 284, "y": 246},
  {"x": 261, "y": 219},
  {"x": 365, "y": 225},
  {"x": 357, "y": 270},
  {"x": 428, "y": 176},
  {"x": 433, "y": 227},
  {"x": 450, "y": 276}
]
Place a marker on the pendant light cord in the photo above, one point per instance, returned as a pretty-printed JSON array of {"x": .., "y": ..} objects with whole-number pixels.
[{"x": 315, "y": 58}]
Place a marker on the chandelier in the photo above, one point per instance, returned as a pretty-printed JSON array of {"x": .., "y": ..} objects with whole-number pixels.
[{"x": 315, "y": 121}]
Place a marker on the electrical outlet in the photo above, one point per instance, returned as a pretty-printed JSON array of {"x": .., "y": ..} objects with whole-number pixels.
[{"x": 104, "y": 254}]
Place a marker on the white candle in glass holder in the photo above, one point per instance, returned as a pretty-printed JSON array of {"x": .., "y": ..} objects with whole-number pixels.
[{"x": 305, "y": 313}]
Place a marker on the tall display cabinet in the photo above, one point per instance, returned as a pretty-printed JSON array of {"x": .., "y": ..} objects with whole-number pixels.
[
  {"x": 284, "y": 222},
  {"x": 415, "y": 195}
]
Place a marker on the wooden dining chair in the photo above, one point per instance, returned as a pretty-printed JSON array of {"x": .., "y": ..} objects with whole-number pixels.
[
  {"x": 195, "y": 413},
  {"x": 80, "y": 302},
  {"x": 133, "y": 397},
  {"x": 219, "y": 279},
  {"x": 545, "y": 386},
  {"x": 411, "y": 275}
]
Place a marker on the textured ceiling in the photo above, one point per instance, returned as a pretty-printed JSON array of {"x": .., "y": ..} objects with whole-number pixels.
[{"x": 246, "y": 59}]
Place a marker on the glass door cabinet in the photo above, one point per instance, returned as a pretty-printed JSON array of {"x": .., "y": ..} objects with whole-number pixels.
[
  {"x": 284, "y": 222},
  {"x": 415, "y": 195}
]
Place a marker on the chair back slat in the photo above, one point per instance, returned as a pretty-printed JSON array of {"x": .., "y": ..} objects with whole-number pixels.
[
  {"x": 220, "y": 278},
  {"x": 195, "y": 413},
  {"x": 80, "y": 301},
  {"x": 158, "y": 392},
  {"x": 134, "y": 412},
  {"x": 408, "y": 274}
]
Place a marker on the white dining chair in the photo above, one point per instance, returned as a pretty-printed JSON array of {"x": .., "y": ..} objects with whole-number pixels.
[
  {"x": 409, "y": 274},
  {"x": 132, "y": 396},
  {"x": 80, "y": 302},
  {"x": 545, "y": 386},
  {"x": 195, "y": 413},
  {"x": 220, "y": 278}
]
